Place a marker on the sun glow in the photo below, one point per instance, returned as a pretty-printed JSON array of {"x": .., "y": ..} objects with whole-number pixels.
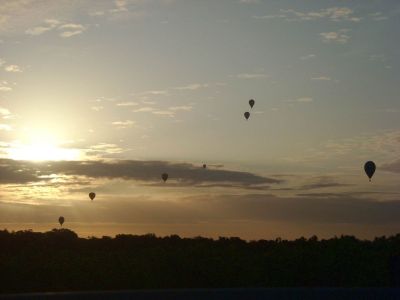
[{"x": 41, "y": 147}]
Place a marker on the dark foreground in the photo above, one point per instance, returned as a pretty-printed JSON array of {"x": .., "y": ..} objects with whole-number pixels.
[
  {"x": 221, "y": 294},
  {"x": 59, "y": 261}
]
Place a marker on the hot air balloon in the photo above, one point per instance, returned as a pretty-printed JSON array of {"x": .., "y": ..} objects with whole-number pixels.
[
  {"x": 164, "y": 176},
  {"x": 92, "y": 195},
  {"x": 61, "y": 220},
  {"x": 204, "y": 166},
  {"x": 247, "y": 115},
  {"x": 251, "y": 102},
  {"x": 369, "y": 169}
]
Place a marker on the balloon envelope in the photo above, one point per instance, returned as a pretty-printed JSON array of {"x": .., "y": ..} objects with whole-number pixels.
[
  {"x": 247, "y": 115},
  {"x": 251, "y": 102},
  {"x": 164, "y": 176},
  {"x": 61, "y": 220},
  {"x": 92, "y": 195},
  {"x": 369, "y": 169}
]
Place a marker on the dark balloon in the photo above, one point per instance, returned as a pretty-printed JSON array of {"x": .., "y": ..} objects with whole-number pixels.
[
  {"x": 61, "y": 220},
  {"x": 370, "y": 168},
  {"x": 247, "y": 115},
  {"x": 164, "y": 177},
  {"x": 92, "y": 195},
  {"x": 251, "y": 102},
  {"x": 204, "y": 166}
]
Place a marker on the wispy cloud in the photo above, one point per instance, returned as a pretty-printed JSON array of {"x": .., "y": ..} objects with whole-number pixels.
[
  {"x": 5, "y": 127},
  {"x": 4, "y": 112},
  {"x": 144, "y": 109},
  {"x": 321, "y": 78},
  {"x": 249, "y": 1},
  {"x": 192, "y": 87},
  {"x": 68, "y": 29},
  {"x": 101, "y": 150},
  {"x": 13, "y": 68},
  {"x": 50, "y": 24},
  {"x": 251, "y": 75},
  {"x": 127, "y": 103},
  {"x": 378, "y": 16},
  {"x": 266, "y": 17},
  {"x": 97, "y": 108},
  {"x": 339, "y": 37},
  {"x": 71, "y": 29},
  {"x": 307, "y": 57},
  {"x": 5, "y": 86},
  {"x": 302, "y": 100},
  {"x": 164, "y": 113},
  {"x": 333, "y": 13},
  {"x": 183, "y": 107},
  {"x": 123, "y": 124}
]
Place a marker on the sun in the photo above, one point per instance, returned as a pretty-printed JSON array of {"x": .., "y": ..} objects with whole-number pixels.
[{"x": 41, "y": 148}]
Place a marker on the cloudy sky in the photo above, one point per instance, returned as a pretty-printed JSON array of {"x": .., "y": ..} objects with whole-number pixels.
[{"x": 105, "y": 96}]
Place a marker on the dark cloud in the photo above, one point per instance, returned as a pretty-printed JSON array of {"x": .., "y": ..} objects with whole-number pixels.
[
  {"x": 181, "y": 174},
  {"x": 321, "y": 185},
  {"x": 321, "y": 210},
  {"x": 392, "y": 167},
  {"x": 314, "y": 208},
  {"x": 322, "y": 182}
]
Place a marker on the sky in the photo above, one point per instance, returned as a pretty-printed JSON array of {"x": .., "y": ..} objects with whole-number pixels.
[{"x": 105, "y": 96}]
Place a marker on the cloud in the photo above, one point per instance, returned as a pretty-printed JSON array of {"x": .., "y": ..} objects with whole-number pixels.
[
  {"x": 385, "y": 144},
  {"x": 308, "y": 56},
  {"x": 183, "y": 107},
  {"x": 154, "y": 92},
  {"x": 251, "y": 75},
  {"x": 103, "y": 149},
  {"x": 302, "y": 100},
  {"x": 2, "y": 62},
  {"x": 5, "y": 127},
  {"x": 96, "y": 13},
  {"x": 13, "y": 68},
  {"x": 339, "y": 37},
  {"x": 123, "y": 124},
  {"x": 71, "y": 26},
  {"x": 322, "y": 182},
  {"x": 321, "y": 78},
  {"x": 183, "y": 174},
  {"x": 265, "y": 17},
  {"x": 68, "y": 29},
  {"x": 4, "y": 112},
  {"x": 378, "y": 16},
  {"x": 164, "y": 113},
  {"x": 97, "y": 108},
  {"x": 71, "y": 29},
  {"x": 127, "y": 104},
  {"x": 50, "y": 24},
  {"x": 192, "y": 87},
  {"x": 392, "y": 167},
  {"x": 5, "y": 87},
  {"x": 333, "y": 14},
  {"x": 249, "y": 1},
  {"x": 144, "y": 109}
]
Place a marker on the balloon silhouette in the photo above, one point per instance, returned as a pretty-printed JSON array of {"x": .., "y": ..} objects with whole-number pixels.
[
  {"x": 164, "y": 176},
  {"x": 92, "y": 195},
  {"x": 204, "y": 166},
  {"x": 247, "y": 115},
  {"x": 369, "y": 169},
  {"x": 251, "y": 102},
  {"x": 61, "y": 220}
]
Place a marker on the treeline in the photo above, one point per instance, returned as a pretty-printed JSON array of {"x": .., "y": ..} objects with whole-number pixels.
[{"x": 61, "y": 261}]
